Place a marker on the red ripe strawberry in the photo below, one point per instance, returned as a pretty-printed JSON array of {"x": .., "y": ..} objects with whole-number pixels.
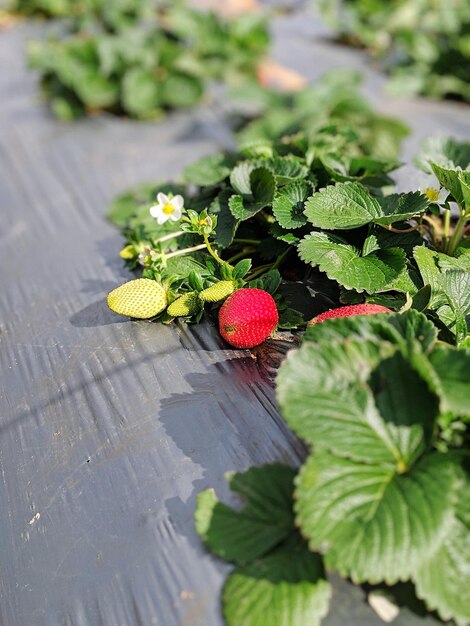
[
  {"x": 350, "y": 311},
  {"x": 248, "y": 317}
]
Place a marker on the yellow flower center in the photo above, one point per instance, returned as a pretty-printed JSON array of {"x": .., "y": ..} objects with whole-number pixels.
[
  {"x": 432, "y": 194},
  {"x": 168, "y": 209}
]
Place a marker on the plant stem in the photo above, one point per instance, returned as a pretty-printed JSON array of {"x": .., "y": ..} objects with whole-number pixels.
[
  {"x": 263, "y": 268},
  {"x": 240, "y": 255},
  {"x": 178, "y": 233},
  {"x": 399, "y": 230},
  {"x": 268, "y": 267},
  {"x": 280, "y": 259},
  {"x": 256, "y": 242},
  {"x": 211, "y": 251},
  {"x": 185, "y": 251},
  {"x": 457, "y": 236},
  {"x": 446, "y": 225},
  {"x": 258, "y": 271}
]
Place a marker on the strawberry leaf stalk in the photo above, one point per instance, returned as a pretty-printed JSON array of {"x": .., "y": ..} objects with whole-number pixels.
[{"x": 248, "y": 317}]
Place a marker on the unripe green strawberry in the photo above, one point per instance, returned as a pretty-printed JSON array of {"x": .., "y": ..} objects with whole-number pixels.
[
  {"x": 141, "y": 298},
  {"x": 350, "y": 311},
  {"x": 128, "y": 252},
  {"x": 218, "y": 292},
  {"x": 187, "y": 304},
  {"x": 248, "y": 317}
]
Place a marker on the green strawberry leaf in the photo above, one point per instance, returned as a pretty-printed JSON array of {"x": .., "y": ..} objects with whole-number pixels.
[
  {"x": 282, "y": 234},
  {"x": 422, "y": 298},
  {"x": 400, "y": 207},
  {"x": 378, "y": 524},
  {"x": 265, "y": 521},
  {"x": 359, "y": 418},
  {"x": 181, "y": 266},
  {"x": 182, "y": 90},
  {"x": 443, "y": 580},
  {"x": 289, "y": 204},
  {"x": 240, "y": 177},
  {"x": 373, "y": 496},
  {"x": 443, "y": 151},
  {"x": 464, "y": 178},
  {"x": 209, "y": 170},
  {"x": 449, "y": 178},
  {"x": 452, "y": 368},
  {"x": 350, "y": 205},
  {"x": 344, "y": 263},
  {"x": 286, "y": 169},
  {"x": 394, "y": 328},
  {"x": 242, "y": 268},
  {"x": 261, "y": 184},
  {"x": 406, "y": 282},
  {"x": 449, "y": 279},
  {"x": 141, "y": 92},
  {"x": 342, "y": 206},
  {"x": 286, "y": 588},
  {"x": 239, "y": 211},
  {"x": 380, "y": 238},
  {"x": 268, "y": 282},
  {"x": 426, "y": 260},
  {"x": 227, "y": 224},
  {"x": 136, "y": 201},
  {"x": 124, "y": 206}
]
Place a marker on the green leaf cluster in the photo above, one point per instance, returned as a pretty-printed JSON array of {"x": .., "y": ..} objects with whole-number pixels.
[
  {"x": 131, "y": 60},
  {"x": 79, "y": 13},
  {"x": 331, "y": 231},
  {"x": 425, "y": 46},
  {"x": 383, "y": 494},
  {"x": 449, "y": 280},
  {"x": 277, "y": 580},
  {"x": 340, "y": 126},
  {"x": 257, "y": 198}
]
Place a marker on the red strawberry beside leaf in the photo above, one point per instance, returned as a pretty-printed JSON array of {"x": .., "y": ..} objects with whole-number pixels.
[
  {"x": 248, "y": 317},
  {"x": 350, "y": 311}
]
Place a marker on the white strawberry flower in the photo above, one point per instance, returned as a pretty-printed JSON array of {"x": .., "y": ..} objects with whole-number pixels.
[
  {"x": 431, "y": 188},
  {"x": 168, "y": 208}
]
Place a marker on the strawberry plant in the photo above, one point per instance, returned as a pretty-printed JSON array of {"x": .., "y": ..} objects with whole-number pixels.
[
  {"x": 111, "y": 15},
  {"x": 306, "y": 217},
  {"x": 382, "y": 496},
  {"x": 423, "y": 45},
  {"x": 332, "y": 113},
  {"x": 144, "y": 63}
]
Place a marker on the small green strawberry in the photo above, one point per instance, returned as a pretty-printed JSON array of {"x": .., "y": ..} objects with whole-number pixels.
[
  {"x": 128, "y": 253},
  {"x": 187, "y": 304},
  {"x": 141, "y": 298},
  {"x": 219, "y": 291}
]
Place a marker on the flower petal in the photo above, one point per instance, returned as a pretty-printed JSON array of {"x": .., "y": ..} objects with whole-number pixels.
[
  {"x": 427, "y": 181},
  {"x": 443, "y": 195},
  {"x": 162, "y": 218},
  {"x": 162, "y": 198},
  {"x": 155, "y": 211},
  {"x": 176, "y": 215},
  {"x": 178, "y": 203}
]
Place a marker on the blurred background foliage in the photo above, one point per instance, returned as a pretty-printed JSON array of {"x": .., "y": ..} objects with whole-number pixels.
[
  {"x": 141, "y": 58},
  {"x": 138, "y": 58},
  {"x": 423, "y": 44}
]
